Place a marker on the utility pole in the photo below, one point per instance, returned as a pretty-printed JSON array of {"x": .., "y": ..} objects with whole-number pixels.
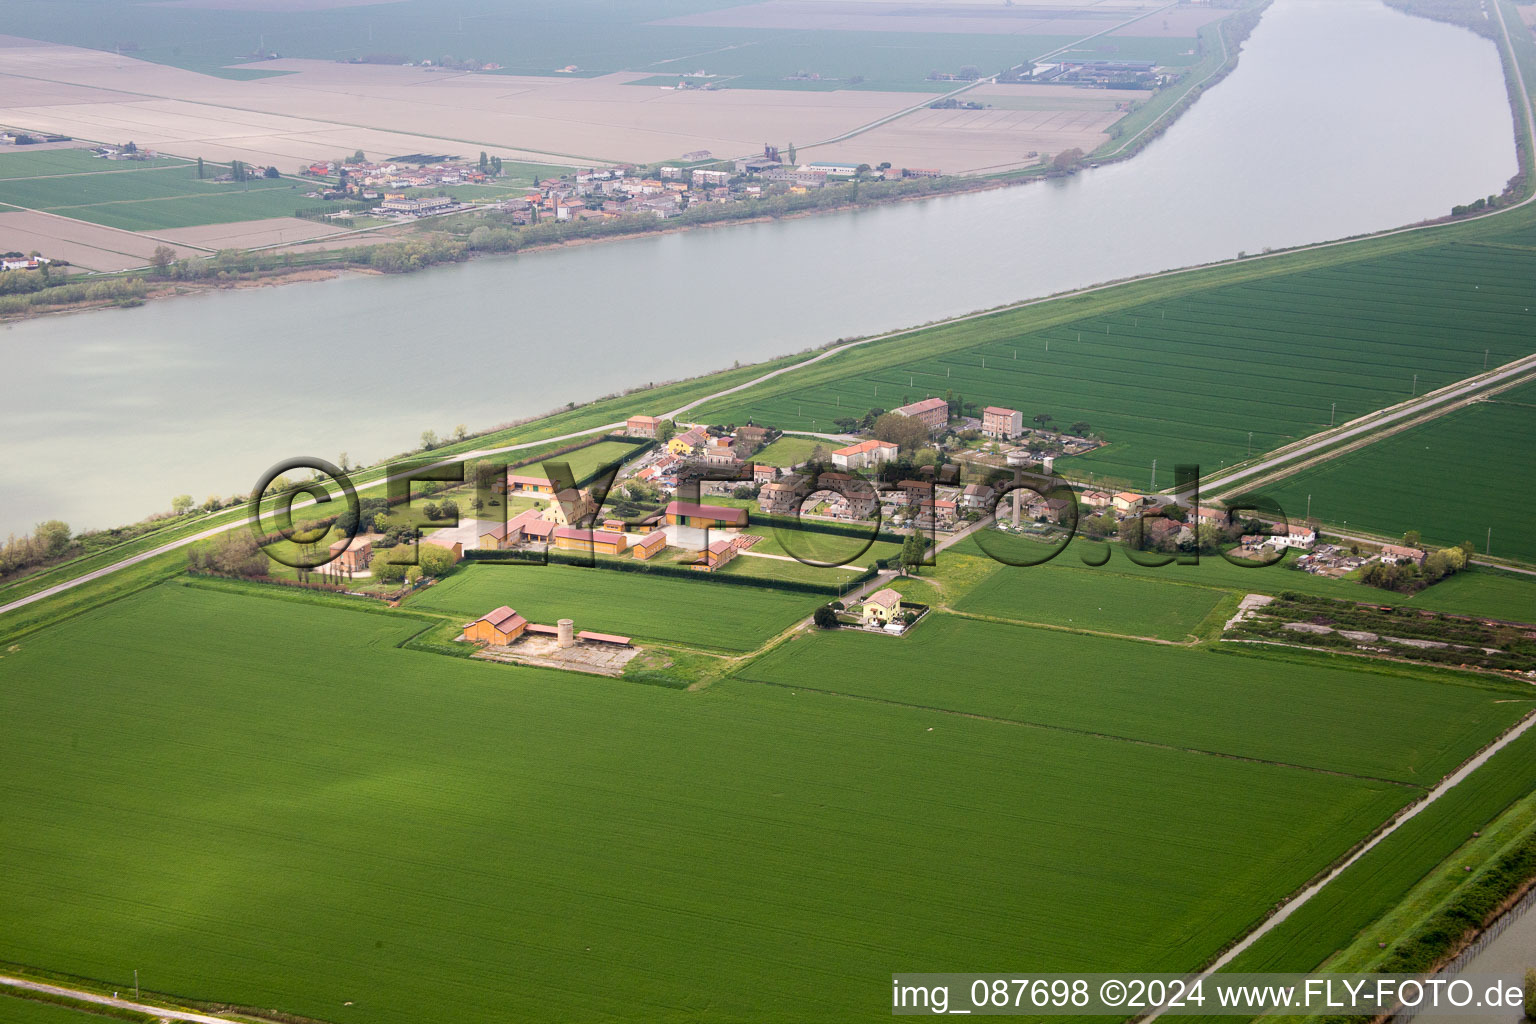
[
  {"x": 1333, "y": 413},
  {"x": 1485, "y": 358},
  {"x": 1488, "y": 544},
  {"x": 1154, "y": 475},
  {"x": 1415, "y": 385},
  {"x": 1309, "y": 506},
  {"x": 1250, "y": 444},
  {"x": 135, "y": 983}
]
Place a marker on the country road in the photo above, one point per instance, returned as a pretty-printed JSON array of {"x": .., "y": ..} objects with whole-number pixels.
[{"x": 119, "y": 1004}]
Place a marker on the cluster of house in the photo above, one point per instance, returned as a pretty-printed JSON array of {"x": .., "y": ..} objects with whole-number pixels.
[
  {"x": 1335, "y": 561},
  {"x": 694, "y": 446},
  {"x": 20, "y": 262}
]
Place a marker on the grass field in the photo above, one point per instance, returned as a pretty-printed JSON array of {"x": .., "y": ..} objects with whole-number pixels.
[
  {"x": 334, "y": 820},
  {"x": 1103, "y": 602},
  {"x": 31, "y": 163},
  {"x": 16, "y": 1010},
  {"x": 137, "y": 198},
  {"x": 790, "y": 450},
  {"x": 697, "y": 613},
  {"x": 1309, "y": 712},
  {"x": 1183, "y": 380},
  {"x": 1450, "y": 479}
]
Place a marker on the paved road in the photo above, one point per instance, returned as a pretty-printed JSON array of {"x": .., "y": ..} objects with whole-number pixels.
[
  {"x": 1373, "y": 422},
  {"x": 1449, "y": 783},
  {"x": 121, "y": 1004}
]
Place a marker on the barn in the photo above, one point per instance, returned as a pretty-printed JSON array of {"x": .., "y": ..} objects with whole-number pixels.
[{"x": 497, "y": 628}]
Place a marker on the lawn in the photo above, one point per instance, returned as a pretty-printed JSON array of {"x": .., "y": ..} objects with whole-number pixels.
[
  {"x": 132, "y": 198},
  {"x": 295, "y": 814},
  {"x": 693, "y": 612},
  {"x": 1185, "y": 379},
  {"x": 1104, "y": 602},
  {"x": 1450, "y": 479},
  {"x": 1309, "y": 711},
  {"x": 791, "y": 450}
]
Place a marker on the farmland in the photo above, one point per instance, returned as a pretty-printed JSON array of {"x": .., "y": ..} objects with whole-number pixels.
[
  {"x": 1085, "y": 600},
  {"x": 790, "y": 450},
  {"x": 152, "y": 197},
  {"x": 698, "y": 613},
  {"x": 1307, "y": 712},
  {"x": 1447, "y": 479},
  {"x": 352, "y": 811},
  {"x": 1184, "y": 379}
]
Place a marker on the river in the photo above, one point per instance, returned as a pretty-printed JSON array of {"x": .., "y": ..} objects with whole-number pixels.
[{"x": 1342, "y": 117}]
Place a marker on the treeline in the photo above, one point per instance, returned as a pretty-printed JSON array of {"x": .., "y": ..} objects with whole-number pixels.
[
  {"x": 45, "y": 543},
  {"x": 1466, "y": 13},
  {"x": 123, "y": 291}
]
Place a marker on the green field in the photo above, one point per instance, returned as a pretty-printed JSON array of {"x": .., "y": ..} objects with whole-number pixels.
[
  {"x": 306, "y": 816},
  {"x": 1183, "y": 380},
  {"x": 32, "y": 163},
  {"x": 693, "y": 612},
  {"x": 790, "y": 450},
  {"x": 1450, "y": 479},
  {"x": 1308, "y": 712},
  {"x": 17, "y": 1010},
  {"x": 593, "y": 35},
  {"x": 1082, "y": 599},
  {"x": 139, "y": 198}
]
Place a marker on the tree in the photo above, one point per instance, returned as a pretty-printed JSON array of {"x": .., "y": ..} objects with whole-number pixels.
[
  {"x": 485, "y": 162},
  {"x": 1068, "y": 160},
  {"x": 824, "y": 617},
  {"x": 1412, "y": 539},
  {"x": 907, "y": 432},
  {"x": 199, "y": 167},
  {"x": 162, "y": 259},
  {"x": 428, "y": 440},
  {"x": 130, "y": 147},
  {"x": 665, "y": 431},
  {"x": 271, "y": 172},
  {"x": 791, "y": 152},
  {"x": 448, "y": 508},
  {"x": 434, "y": 561},
  {"x": 341, "y": 460},
  {"x": 413, "y": 575},
  {"x": 359, "y": 158},
  {"x": 386, "y": 571},
  {"x": 460, "y": 432},
  {"x": 1080, "y": 428},
  {"x": 913, "y": 551},
  {"x": 1042, "y": 419},
  {"x": 53, "y": 535},
  {"x": 181, "y": 504},
  {"x": 381, "y": 522}
]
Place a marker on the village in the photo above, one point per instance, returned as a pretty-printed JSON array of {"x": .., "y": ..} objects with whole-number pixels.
[
  {"x": 659, "y": 190},
  {"x": 694, "y": 498}
]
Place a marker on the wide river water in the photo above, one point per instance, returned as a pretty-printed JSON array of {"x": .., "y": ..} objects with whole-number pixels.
[{"x": 1342, "y": 117}]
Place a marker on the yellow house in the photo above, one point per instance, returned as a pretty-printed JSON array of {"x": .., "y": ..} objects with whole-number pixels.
[
  {"x": 649, "y": 545},
  {"x": 599, "y": 542},
  {"x": 882, "y": 607}
]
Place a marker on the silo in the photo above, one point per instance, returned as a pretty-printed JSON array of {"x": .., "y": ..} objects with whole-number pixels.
[{"x": 566, "y": 631}]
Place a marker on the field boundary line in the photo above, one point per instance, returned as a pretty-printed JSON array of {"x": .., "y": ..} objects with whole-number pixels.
[
  {"x": 1291, "y": 905},
  {"x": 1088, "y": 733}
]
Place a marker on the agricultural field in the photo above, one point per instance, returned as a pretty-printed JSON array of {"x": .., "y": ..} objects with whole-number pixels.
[
  {"x": 17, "y": 1010},
  {"x": 1185, "y": 379},
  {"x": 1449, "y": 479},
  {"x": 696, "y": 613},
  {"x": 1082, "y": 598},
  {"x": 1310, "y": 712},
  {"x": 153, "y": 197},
  {"x": 496, "y": 822}
]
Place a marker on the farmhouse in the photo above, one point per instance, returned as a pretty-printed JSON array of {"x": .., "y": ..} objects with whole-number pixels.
[
  {"x": 764, "y": 474},
  {"x": 864, "y": 454},
  {"x": 570, "y": 507},
  {"x": 650, "y": 545},
  {"x": 1127, "y": 502},
  {"x": 1210, "y": 516},
  {"x": 750, "y": 438},
  {"x": 1294, "y": 537},
  {"x": 497, "y": 628},
  {"x": 1395, "y": 554},
  {"x": 780, "y": 497},
  {"x": 933, "y": 412},
  {"x": 977, "y": 495},
  {"x": 446, "y": 540},
  {"x": 687, "y": 442},
  {"x": 641, "y": 426},
  {"x": 999, "y": 422},
  {"x": 1096, "y": 499},
  {"x": 351, "y": 554},
  {"x": 687, "y": 513},
  {"x": 881, "y": 607}
]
